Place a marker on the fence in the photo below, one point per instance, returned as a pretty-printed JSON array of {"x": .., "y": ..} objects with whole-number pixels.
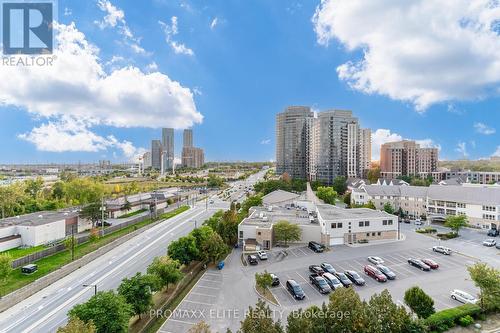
[{"x": 59, "y": 247}]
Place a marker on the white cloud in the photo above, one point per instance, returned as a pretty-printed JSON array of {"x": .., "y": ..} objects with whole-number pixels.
[
  {"x": 78, "y": 87},
  {"x": 214, "y": 23},
  {"x": 381, "y": 136},
  {"x": 115, "y": 17},
  {"x": 484, "y": 129},
  {"x": 423, "y": 52},
  {"x": 462, "y": 149},
  {"x": 265, "y": 142},
  {"x": 497, "y": 152},
  {"x": 68, "y": 11},
  {"x": 153, "y": 67},
  {"x": 172, "y": 30}
]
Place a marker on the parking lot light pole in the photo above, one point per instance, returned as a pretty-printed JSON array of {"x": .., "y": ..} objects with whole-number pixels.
[{"x": 92, "y": 285}]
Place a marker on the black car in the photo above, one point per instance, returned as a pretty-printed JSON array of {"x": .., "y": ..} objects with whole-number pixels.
[
  {"x": 316, "y": 247},
  {"x": 387, "y": 272},
  {"x": 493, "y": 232},
  {"x": 315, "y": 269},
  {"x": 252, "y": 259},
  {"x": 106, "y": 224},
  {"x": 295, "y": 289},
  {"x": 320, "y": 283},
  {"x": 419, "y": 264},
  {"x": 343, "y": 279},
  {"x": 328, "y": 268},
  {"x": 355, "y": 277},
  {"x": 276, "y": 280}
]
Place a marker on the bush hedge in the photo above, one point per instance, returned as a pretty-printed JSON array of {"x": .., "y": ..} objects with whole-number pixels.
[
  {"x": 426, "y": 230},
  {"x": 446, "y": 319},
  {"x": 448, "y": 235}
]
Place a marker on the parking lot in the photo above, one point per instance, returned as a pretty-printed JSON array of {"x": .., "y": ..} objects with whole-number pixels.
[
  {"x": 397, "y": 262},
  {"x": 196, "y": 305}
]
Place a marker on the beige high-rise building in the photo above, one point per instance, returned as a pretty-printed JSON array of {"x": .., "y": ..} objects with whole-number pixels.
[
  {"x": 406, "y": 158},
  {"x": 365, "y": 151},
  {"x": 193, "y": 157},
  {"x": 187, "y": 138}
]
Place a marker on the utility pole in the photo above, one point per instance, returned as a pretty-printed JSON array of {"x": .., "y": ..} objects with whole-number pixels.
[
  {"x": 73, "y": 242},
  {"x": 102, "y": 215}
]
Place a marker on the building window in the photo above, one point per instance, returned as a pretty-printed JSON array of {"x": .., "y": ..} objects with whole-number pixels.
[
  {"x": 361, "y": 223},
  {"x": 367, "y": 223},
  {"x": 489, "y": 208},
  {"x": 389, "y": 222},
  {"x": 488, "y": 217},
  {"x": 379, "y": 233},
  {"x": 460, "y": 205},
  {"x": 258, "y": 233},
  {"x": 334, "y": 225},
  {"x": 367, "y": 234},
  {"x": 241, "y": 233},
  {"x": 339, "y": 225},
  {"x": 373, "y": 234},
  {"x": 384, "y": 222}
]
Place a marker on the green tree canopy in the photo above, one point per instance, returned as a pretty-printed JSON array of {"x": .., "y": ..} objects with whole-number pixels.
[
  {"x": 166, "y": 270},
  {"x": 76, "y": 325},
  {"x": 214, "y": 248},
  {"x": 138, "y": 292},
  {"x": 455, "y": 222},
  {"x": 487, "y": 279},
  {"x": 108, "y": 311},
  {"x": 184, "y": 249},
  {"x": 419, "y": 302},
  {"x": 5, "y": 266},
  {"x": 263, "y": 280},
  {"x": 285, "y": 232},
  {"x": 385, "y": 316},
  {"x": 340, "y": 184},
  {"x": 327, "y": 194},
  {"x": 388, "y": 208},
  {"x": 260, "y": 320}
]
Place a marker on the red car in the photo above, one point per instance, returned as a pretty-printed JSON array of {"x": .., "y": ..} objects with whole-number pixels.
[
  {"x": 431, "y": 263},
  {"x": 375, "y": 273}
]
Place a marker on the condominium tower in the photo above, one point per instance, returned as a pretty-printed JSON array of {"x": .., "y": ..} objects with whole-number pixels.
[
  {"x": 407, "y": 158},
  {"x": 168, "y": 148},
  {"x": 321, "y": 147},
  {"x": 192, "y": 157}
]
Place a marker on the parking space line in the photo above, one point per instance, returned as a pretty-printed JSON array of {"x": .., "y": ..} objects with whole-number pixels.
[
  {"x": 193, "y": 302},
  {"x": 212, "y": 274},
  {"x": 200, "y": 286},
  {"x": 286, "y": 291},
  {"x": 182, "y": 321},
  {"x": 360, "y": 264},
  {"x": 291, "y": 251},
  {"x": 302, "y": 251},
  {"x": 302, "y": 277},
  {"x": 200, "y": 294},
  {"x": 211, "y": 281}
]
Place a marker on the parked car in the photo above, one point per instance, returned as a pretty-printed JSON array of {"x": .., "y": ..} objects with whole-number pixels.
[
  {"x": 106, "y": 224},
  {"x": 328, "y": 268},
  {"x": 493, "y": 232},
  {"x": 407, "y": 220},
  {"x": 498, "y": 246},
  {"x": 295, "y": 289},
  {"x": 442, "y": 249},
  {"x": 320, "y": 283},
  {"x": 262, "y": 255},
  {"x": 252, "y": 259},
  {"x": 419, "y": 264},
  {"x": 431, "y": 263},
  {"x": 276, "y": 280},
  {"x": 463, "y": 297},
  {"x": 489, "y": 242},
  {"x": 418, "y": 222},
  {"x": 375, "y": 273},
  {"x": 355, "y": 277},
  {"x": 315, "y": 269},
  {"x": 375, "y": 260},
  {"x": 387, "y": 272},
  {"x": 343, "y": 279},
  {"x": 316, "y": 247},
  {"x": 332, "y": 281}
]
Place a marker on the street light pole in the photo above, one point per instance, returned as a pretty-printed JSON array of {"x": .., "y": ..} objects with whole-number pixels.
[{"x": 102, "y": 215}]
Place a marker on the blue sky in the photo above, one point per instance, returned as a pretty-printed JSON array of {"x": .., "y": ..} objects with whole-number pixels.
[{"x": 230, "y": 66}]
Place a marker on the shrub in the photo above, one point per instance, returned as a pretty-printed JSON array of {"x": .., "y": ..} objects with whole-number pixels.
[
  {"x": 466, "y": 321},
  {"x": 445, "y": 319},
  {"x": 448, "y": 235}
]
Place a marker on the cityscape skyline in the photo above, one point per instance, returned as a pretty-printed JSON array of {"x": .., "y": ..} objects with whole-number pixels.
[{"x": 217, "y": 70}]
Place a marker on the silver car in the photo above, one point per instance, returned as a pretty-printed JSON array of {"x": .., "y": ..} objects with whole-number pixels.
[
  {"x": 332, "y": 281},
  {"x": 463, "y": 297},
  {"x": 442, "y": 249}
]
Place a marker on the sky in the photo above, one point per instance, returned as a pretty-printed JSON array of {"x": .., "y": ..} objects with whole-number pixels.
[{"x": 422, "y": 70}]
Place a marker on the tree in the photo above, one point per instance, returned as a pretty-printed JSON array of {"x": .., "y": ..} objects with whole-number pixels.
[
  {"x": 58, "y": 191},
  {"x": 455, "y": 222},
  {"x": 370, "y": 205},
  {"x": 184, "y": 249},
  {"x": 346, "y": 301},
  {"x": 340, "y": 184},
  {"x": 200, "y": 327},
  {"x": 166, "y": 270},
  {"x": 385, "y": 316},
  {"x": 214, "y": 248},
  {"x": 5, "y": 266},
  {"x": 127, "y": 205},
  {"x": 34, "y": 186},
  {"x": 138, "y": 292},
  {"x": 201, "y": 235},
  {"x": 347, "y": 199},
  {"x": 109, "y": 312},
  {"x": 260, "y": 320},
  {"x": 76, "y": 325},
  {"x": 92, "y": 212},
  {"x": 487, "y": 279},
  {"x": 373, "y": 175},
  {"x": 286, "y": 232},
  {"x": 327, "y": 194},
  {"x": 263, "y": 280},
  {"x": 419, "y": 302},
  {"x": 388, "y": 208}
]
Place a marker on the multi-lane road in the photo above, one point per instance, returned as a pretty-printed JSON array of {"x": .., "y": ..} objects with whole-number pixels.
[{"x": 46, "y": 310}]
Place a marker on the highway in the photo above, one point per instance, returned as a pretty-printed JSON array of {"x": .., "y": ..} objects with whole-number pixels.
[{"x": 47, "y": 310}]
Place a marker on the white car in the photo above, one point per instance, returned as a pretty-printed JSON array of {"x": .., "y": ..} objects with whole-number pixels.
[
  {"x": 442, "y": 249},
  {"x": 375, "y": 260},
  {"x": 262, "y": 255},
  {"x": 418, "y": 222},
  {"x": 463, "y": 297},
  {"x": 489, "y": 242}
]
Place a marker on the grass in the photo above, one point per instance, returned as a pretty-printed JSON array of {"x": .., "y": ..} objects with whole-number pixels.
[
  {"x": 21, "y": 252},
  {"x": 137, "y": 212},
  {"x": 267, "y": 294},
  {"x": 51, "y": 263}
]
